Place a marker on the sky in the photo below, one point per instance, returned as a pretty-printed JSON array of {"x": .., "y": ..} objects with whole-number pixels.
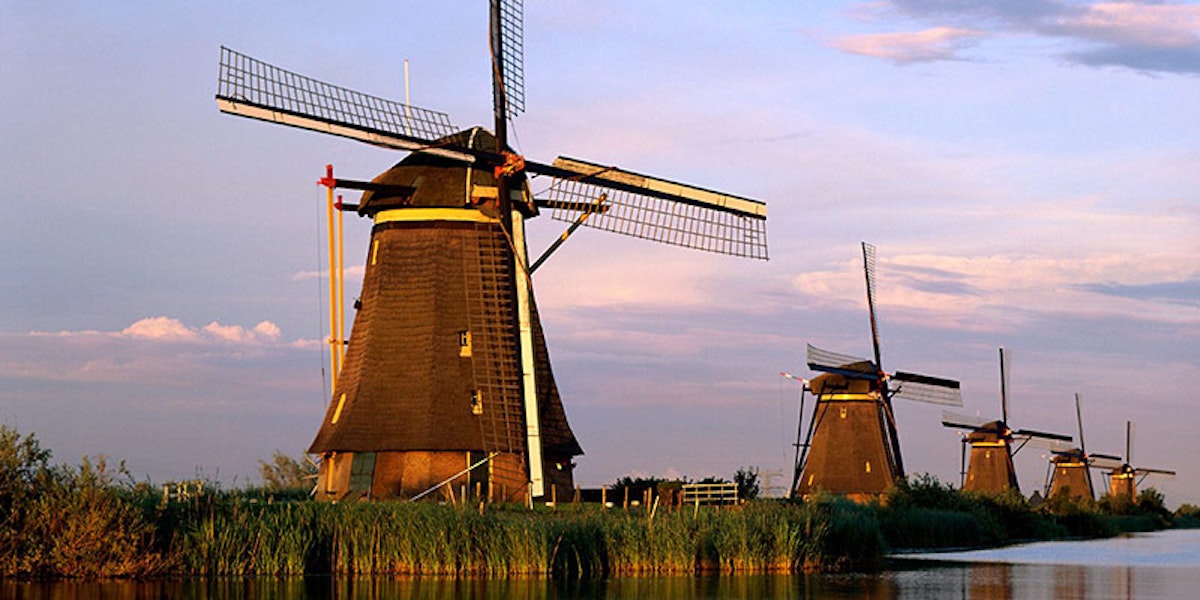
[{"x": 1027, "y": 171}]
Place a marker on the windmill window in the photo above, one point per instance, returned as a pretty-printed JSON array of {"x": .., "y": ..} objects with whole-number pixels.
[
  {"x": 464, "y": 344},
  {"x": 476, "y": 402},
  {"x": 868, "y": 466},
  {"x": 337, "y": 413},
  {"x": 843, "y": 412}
]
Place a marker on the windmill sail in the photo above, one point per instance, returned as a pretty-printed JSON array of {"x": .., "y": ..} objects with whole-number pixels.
[
  {"x": 959, "y": 421},
  {"x": 249, "y": 87},
  {"x": 923, "y": 388},
  {"x": 509, "y": 27},
  {"x": 656, "y": 209},
  {"x": 844, "y": 364},
  {"x": 638, "y": 205}
]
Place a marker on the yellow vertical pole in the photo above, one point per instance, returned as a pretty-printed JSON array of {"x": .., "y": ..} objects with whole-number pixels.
[{"x": 333, "y": 349}]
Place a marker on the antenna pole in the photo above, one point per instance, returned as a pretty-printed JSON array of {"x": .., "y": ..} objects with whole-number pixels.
[{"x": 407, "y": 102}]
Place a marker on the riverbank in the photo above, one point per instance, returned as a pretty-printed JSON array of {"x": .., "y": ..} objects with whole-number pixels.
[{"x": 93, "y": 522}]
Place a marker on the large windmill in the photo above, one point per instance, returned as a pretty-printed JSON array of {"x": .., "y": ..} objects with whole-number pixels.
[
  {"x": 1124, "y": 478},
  {"x": 852, "y": 446},
  {"x": 446, "y": 382},
  {"x": 1070, "y": 474},
  {"x": 991, "y": 465}
]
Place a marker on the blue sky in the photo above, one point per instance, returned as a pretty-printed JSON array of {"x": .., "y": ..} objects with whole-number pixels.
[{"x": 1027, "y": 172}]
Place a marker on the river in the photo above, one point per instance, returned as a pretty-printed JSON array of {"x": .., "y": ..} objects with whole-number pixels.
[{"x": 1142, "y": 566}]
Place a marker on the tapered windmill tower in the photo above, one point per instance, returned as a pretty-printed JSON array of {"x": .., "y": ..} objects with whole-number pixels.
[
  {"x": 1070, "y": 468},
  {"x": 1124, "y": 478},
  {"x": 446, "y": 385},
  {"x": 991, "y": 443},
  {"x": 852, "y": 446}
]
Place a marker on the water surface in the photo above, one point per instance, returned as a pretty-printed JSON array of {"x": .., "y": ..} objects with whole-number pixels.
[{"x": 1141, "y": 566}]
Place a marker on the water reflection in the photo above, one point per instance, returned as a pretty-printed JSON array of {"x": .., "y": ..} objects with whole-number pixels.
[
  {"x": 1161, "y": 565},
  {"x": 984, "y": 581}
]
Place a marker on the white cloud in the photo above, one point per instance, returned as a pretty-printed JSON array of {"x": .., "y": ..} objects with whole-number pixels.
[
  {"x": 160, "y": 328},
  {"x": 169, "y": 329},
  {"x": 351, "y": 272},
  {"x": 265, "y": 331},
  {"x": 938, "y": 43}
]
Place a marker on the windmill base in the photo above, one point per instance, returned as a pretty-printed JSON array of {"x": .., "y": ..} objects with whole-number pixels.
[{"x": 443, "y": 476}]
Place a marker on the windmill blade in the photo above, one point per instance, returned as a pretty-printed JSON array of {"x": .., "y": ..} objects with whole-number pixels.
[
  {"x": 960, "y": 421},
  {"x": 1005, "y": 357},
  {"x": 1105, "y": 461},
  {"x": 843, "y": 364},
  {"x": 923, "y": 388},
  {"x": 1129, "y": 442},
  {"x": 1043, "y": 435},
  {"x": 869, "y": 272},
  {"x": 1079, "y": 421},
  {"x": 656, "y": 209},
  {"x": 509, "y": 56},
  {"x": 1163, "y": 472},
  {"x": 1054, "y": 445},
  {"x": 251, "y": 88}
]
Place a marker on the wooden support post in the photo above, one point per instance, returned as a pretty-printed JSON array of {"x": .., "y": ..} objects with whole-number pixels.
[
  {"x": 626, "y": 506},
  {"x": 604, "y": 496}
]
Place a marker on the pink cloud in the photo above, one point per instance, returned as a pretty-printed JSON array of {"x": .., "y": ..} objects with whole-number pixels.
[{"x": 938, "y": 43}]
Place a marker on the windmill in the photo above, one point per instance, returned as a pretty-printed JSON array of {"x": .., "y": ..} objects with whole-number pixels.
[
  {"x": 991, "y": 466},
  {"x": 852, "y": 446},
  {"x": 446, "y": 381},
  {"x": 1070, "y": 468},
  {"x": 1124, "y": 478}
]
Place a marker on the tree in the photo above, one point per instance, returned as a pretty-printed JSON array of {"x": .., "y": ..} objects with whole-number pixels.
[
  {"x": 286, "y": 473},
  {"x": 747, "y": 483}
]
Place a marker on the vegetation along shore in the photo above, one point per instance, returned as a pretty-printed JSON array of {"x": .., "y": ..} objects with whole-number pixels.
[{"x": 94, "y": 521}]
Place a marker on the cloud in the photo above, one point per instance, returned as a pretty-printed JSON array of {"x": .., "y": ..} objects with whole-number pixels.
[
  {"x": 160, "y": 328},
  {"x": 173, "y": 330},
  {"x": 351, "y": 272},
  {"x": 152, "y": 351},
  {"x": 1145, "y": 36},
  {"x": 1133, "y": 23},
  {"x": 1181, "y": 292},
  {"x": 938, "y": 43},
  {"x": 1006, "y": 290}
]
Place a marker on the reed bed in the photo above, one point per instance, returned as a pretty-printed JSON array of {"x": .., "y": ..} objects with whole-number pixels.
[{"x": 573, "y": 542}]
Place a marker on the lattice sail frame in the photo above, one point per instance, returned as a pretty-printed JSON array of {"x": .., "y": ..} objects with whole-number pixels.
[
  {"x": 678, "y": 214},
  {"x": 250, "y": 87},
  {"x": 512, "y": 25},
  {"x": 909, "y": 386}
]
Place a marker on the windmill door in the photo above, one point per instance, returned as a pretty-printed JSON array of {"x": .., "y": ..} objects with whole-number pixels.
[{"x": 362, "y": 472}]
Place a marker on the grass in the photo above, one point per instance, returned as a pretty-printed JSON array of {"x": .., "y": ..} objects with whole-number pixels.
[{"x": 93, "y": 521}]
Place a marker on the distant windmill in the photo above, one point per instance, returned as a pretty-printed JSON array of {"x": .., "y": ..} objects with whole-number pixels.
[
  {"x": 991, "y": 465},
  {"x": 1070, "y": 474},
  {"x": 1124, "y": 478},
  {"x": 446, "y": 383},
  {"x": 852, "y": 446}
]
